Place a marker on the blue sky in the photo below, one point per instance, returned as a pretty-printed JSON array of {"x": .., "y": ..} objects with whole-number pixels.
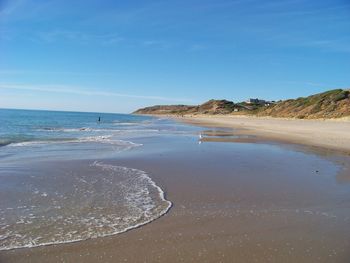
[{"x": 116, "y": 56}]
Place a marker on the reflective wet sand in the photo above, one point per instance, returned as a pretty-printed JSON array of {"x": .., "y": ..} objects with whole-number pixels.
[{"x": 232, "y": 202}]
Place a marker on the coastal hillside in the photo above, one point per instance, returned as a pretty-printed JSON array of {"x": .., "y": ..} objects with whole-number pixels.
[
  {"x": 329, "y": 104},
  {"x": 166, "y": 109},
  {"x": 209, "y": 107}
]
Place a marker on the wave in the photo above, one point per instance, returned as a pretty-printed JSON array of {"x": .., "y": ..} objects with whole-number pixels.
[
  {"x": 126, "y": 123},
  {"x": 107, "y": 139},
  {"x": 68, "y": 130},
  {"x": 11, "y": 141},
  {"x": 82, "y": 129},
  {"x": 4, "y": 143},
  {"x": 144, "y": 199}
]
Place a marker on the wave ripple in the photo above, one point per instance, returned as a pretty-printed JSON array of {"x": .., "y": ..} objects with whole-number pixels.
[{"x": 104, "y": 201}]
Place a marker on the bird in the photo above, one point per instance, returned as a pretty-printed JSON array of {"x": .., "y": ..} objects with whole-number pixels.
[{"x": 200, "y": 138}]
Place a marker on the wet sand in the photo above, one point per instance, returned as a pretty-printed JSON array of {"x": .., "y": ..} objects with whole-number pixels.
[
  {"x": 327, "y": 134},
  {"x": 232, "y": 202}
]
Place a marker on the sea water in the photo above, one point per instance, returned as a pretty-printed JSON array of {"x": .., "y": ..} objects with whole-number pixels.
[{"x": 56, "y": 185}]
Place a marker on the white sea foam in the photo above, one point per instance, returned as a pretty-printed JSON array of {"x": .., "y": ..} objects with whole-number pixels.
[
  {"x": 118, "y": 199},
  {"x": 29, "y": 143},
  {"x": 82, "y": 129},
  {"x": 126, "y": 123},
  {"x": 107, "y": 139}
]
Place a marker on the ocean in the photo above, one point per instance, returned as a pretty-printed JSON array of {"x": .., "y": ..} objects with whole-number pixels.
[{"x": 56, "y": 185}]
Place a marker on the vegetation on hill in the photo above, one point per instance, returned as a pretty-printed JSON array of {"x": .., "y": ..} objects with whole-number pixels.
[
  {"x": 209, "y": 107},
  {"x": 330, "y": 104},
  {"x": 165, "y": 109}
]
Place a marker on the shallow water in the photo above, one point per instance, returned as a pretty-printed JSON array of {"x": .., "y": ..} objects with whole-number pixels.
[
  {"x": 50, "y": 195},
  {"x": 79, "y": 188},
  {"x": 76, "y": 202}
]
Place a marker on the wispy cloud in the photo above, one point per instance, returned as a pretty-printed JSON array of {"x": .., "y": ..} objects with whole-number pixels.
[
  {"x": 328, "y": 45},
  {"x": 83, "y": 92},
  {"x": 198, "y": 47},
  {"x": 302, "y": 40},
  {"x": 10, "y": 72},
  {"x": 78, "y": 37},
  {"x": 154, "y": 43},
  {"x": 112, "y": 39},
  {"x": 9, "y": 7},
  {"x": 316, "y": 84},
  {"x": 160, "y": 44}
]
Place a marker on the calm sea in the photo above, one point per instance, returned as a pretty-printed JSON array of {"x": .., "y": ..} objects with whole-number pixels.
[{"x": 55, "y": 186}]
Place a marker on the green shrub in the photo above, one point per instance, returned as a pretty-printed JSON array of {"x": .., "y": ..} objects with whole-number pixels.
[{"x": 344, "y": 94}]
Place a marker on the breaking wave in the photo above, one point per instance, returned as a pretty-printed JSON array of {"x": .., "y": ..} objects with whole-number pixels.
[{"x": 107, "y": 201}]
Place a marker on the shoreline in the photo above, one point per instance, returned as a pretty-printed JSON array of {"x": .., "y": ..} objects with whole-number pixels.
[
  {"x": 222, "y": 209},
  {"x": 166, "y": 210},
  {"x": 225, "y": 215},
  {"x": 326, "y": 134}
]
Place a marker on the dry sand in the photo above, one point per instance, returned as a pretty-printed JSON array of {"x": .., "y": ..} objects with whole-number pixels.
[{"x": 328, "y": 134}]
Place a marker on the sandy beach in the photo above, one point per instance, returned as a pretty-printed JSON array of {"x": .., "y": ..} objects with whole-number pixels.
[
  {"x": 232, "y": 202},
  {"x": 328, "y": 134},
  {"x": 175, "y": 131}
]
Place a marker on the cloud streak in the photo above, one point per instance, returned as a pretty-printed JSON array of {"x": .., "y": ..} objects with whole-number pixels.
[
  {"x": 10, "y": 7},
  {"x": 316, "y": 84},
  {"x": 78, "y": 91},
  {"x": 40, "y": 72},
  {"x": 79, "y": 37}
]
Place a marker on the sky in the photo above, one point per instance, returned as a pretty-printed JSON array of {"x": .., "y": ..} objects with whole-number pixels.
[{"x": 117, "y": 56}]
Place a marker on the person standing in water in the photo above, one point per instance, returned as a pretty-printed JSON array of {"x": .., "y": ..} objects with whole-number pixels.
[{"x": 99, "y": 119}]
